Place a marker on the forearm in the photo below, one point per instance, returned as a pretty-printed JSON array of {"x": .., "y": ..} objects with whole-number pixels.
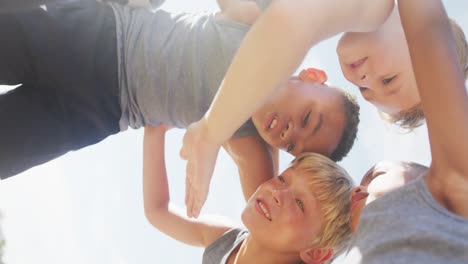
[
  {"x": 163, "y": 216},
  {"x": 155, "y": 184},
  {"x": 254, "y": 160},
  {"x": 272, "y": 51},
  {"x": 156, "y": 192},
  {"x": 172, "y": 222},
  {"x": 428, "y": 31}
]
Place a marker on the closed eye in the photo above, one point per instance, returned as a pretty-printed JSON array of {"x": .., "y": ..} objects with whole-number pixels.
[
  {"x": 388, "y": 80},
  {"x": 305, "y": 121},
  {"x": 281, "y": 179}
]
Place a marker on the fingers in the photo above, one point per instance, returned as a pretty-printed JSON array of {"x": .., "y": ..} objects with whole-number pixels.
[
  {"x": 195, "y": 190},
  {"x": 191, "y": 191},
  {"x": 201, "y": 156},
  {"x": 200, "y": 166}
]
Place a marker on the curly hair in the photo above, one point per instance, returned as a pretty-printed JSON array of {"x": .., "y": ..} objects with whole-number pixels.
[{"x": 351, "y": 111}]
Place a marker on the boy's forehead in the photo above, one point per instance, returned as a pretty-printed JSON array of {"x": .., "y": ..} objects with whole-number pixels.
[
  {"x": 393, "y": 170},
  {"x": 301, "y": 177}
]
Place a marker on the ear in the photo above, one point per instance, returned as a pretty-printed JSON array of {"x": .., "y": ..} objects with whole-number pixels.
[
  {"x": 316, "y": 256},
  {"x": 313, "y": 75},
  {"x": 358, "y": 201}
]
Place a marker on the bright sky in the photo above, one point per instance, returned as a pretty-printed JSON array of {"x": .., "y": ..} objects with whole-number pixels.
[{"x": 86, "y": 207}]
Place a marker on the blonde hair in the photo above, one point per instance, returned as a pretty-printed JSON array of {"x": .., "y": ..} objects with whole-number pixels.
[
  {"x": 331, "y": 186},
  {"x": 414, "y": 117}
]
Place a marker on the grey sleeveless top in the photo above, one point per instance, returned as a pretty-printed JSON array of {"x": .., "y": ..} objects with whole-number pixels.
[
  {"x": 171, "y": 65},
  {"x": 218, "y": 252},
  {"x": 409, "y": 226}
]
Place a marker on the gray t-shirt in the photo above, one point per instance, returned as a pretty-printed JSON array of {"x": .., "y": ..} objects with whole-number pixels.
[
  {"x": 409, "y": 226},
  {"x": 171, "y": 65},
  {"x": 218, "y": 252}
]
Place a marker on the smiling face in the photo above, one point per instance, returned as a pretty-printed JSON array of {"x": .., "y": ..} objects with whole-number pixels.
[
  {"x": 379, "y": 64},
  {"x": 306, "y": 116},
  {"x": 283, "y": 214}
]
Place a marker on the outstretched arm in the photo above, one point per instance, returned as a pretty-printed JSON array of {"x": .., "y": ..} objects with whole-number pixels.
[
  {"x": 441, "y": 86},
  {"x": 269, "y": 54},
  {"x": 274, "y": 48},
  {"x": 156, "y": 197}
]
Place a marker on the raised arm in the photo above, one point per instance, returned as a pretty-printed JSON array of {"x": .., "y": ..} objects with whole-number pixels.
[
  {"x": 441, "y": 86},
  {"x": 256, "y": 161},
  {"x": 156, "y": 197},
  {"x": 269, "y": 54},
  {"x": 274, "y": 48}
]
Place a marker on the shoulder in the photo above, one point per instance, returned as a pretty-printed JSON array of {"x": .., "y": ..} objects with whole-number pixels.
[{"x": 224, "y": 245}]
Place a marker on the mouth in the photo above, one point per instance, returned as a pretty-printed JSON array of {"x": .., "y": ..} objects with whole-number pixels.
[
  {"x": 355, "y": 65},
  {"x": 271, "y": 121},
  {"x": 262, "y": 208}
]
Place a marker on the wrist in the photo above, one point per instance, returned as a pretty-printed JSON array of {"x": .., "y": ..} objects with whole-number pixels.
[{"x": 211, "y": 132}]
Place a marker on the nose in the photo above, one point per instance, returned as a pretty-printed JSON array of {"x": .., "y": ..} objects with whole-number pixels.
[
  {"x": 280, "y": 196},
  {"x": 362, "y": 76},
  {"x": 287, "y": 131}
]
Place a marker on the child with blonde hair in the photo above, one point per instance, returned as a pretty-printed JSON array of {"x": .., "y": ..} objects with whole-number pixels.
[{"x": 301, "y": 215}]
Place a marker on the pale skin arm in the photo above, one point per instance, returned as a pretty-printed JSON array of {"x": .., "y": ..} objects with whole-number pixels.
[
  {"x": 156, "y": 197},
  {"x": 241, "y": 11},
  {"x": 444, "y": 99},
  {"x": 278, "y": 42},
  {"x": 255, "y": 161}
]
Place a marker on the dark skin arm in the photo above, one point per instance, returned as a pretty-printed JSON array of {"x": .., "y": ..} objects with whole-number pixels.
[{"x": 254, "y": 159}]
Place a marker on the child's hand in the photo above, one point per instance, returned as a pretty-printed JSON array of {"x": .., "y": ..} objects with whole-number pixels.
[{"x": 201, "y": 156}]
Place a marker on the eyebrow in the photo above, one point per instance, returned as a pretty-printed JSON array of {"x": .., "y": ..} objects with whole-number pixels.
[
  {"x": 370, "y": 176},
  {"x": 367, "y": 178},
  {"x": 319, "y": 125}
]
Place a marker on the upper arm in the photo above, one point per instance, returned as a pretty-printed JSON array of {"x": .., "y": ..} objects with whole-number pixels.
[
  {"x": 254, "y": 160},
  {"x": 428, "y": 32},
  {"x": 165, "y": 217}
]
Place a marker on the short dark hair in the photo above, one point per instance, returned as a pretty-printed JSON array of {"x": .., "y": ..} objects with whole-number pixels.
[{"x": 351, "y": 112}]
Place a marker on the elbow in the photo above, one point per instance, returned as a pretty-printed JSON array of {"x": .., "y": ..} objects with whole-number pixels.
[
  {"x": 154, "y": 215},
  {"x": 374, "y": 14}
]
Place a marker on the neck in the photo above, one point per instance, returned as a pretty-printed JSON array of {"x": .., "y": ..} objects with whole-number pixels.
[{"x": 252, "y": 251}]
